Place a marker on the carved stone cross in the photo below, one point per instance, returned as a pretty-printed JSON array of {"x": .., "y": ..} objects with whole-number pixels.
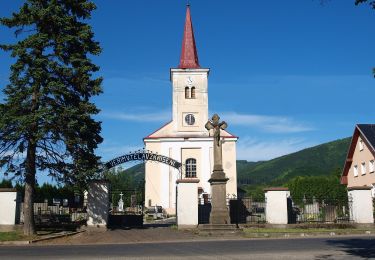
[
  {"x": 215, "y": 125},
  {"x": 219, "y": 211}
]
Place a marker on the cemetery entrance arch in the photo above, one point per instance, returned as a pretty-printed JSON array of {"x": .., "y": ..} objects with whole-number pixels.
[
  {"x": 125, "y": 206},
  {"x": 143, "y": 155}
]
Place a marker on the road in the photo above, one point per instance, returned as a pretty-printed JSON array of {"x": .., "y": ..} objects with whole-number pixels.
[{"x": 356, "y": 247}]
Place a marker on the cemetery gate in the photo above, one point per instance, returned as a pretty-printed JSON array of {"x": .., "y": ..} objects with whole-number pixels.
[{"x": 127, "y": 206}]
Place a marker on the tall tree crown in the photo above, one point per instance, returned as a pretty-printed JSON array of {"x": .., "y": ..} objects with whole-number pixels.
[{"x": 47, "y": 103}]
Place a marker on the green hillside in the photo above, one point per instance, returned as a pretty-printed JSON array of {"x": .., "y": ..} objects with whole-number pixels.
[{"x": 319, "y": 160}]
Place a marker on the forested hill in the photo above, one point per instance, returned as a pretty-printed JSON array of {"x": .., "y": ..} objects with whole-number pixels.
[{"x": 319, "y": 160}]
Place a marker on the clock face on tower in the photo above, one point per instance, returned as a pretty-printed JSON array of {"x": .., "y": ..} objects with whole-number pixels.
[{"x": 190, "y": 119}]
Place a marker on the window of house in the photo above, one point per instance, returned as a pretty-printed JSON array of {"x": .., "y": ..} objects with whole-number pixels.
[
  {"x": 187, "y": 92},
  {"x": 191, "y": 168},
  {"x": 372, "y": 166},
  {"x": 355, "y": 170},
  {"x": 193, "y": 92},
  {"x": 361, "y": 145},
  {"x": 363, "y": 168}
]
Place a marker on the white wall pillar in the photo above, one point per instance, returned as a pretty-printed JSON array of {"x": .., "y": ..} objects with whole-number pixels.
[
  {"x": 361, "y": 210},
  {"x": 187, "y": 203},
  {"x": 98, "y": 203},
  {"x": 276, "y": 205},
  {"x": 8, "y": 204}
]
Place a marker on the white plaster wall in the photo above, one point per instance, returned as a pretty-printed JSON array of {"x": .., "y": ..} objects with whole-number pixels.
[
  {"x": 152, "y": 177},
  {"x": 276, "y": 207},
  {"x": 161, "y": 189},
  {"x": 8, "y": 205},
  {"x": 198, "y": 106},
  {"x": 97, "y": 204},
  {"x": 362, "y": 208},
  {"x": 187, "y": 204}
]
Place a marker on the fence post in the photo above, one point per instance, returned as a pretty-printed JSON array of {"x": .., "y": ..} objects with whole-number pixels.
[
  {"x": 361, "y": 210},
  {"x": 97, "y": 203},
  {"x": 187, "y": 203},
  {"x": 277, "y": 205},
  {"x": 8, "y": 202}
]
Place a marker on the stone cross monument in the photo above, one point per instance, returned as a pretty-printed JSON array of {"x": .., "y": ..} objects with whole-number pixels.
[{"x": 219, "y": 211}]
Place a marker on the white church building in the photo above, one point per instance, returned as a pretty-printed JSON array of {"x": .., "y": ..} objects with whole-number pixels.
[{"x": 185, "y": 138}]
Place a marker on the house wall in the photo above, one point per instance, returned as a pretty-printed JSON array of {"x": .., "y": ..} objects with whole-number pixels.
[{"x": 360, "y": 156}]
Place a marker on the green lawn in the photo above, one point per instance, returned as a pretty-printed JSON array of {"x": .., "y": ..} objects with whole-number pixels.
[{"x": 12, "y": 236}]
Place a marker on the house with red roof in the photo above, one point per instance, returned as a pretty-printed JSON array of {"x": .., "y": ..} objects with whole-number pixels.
[{"x": 359, "y": 167}]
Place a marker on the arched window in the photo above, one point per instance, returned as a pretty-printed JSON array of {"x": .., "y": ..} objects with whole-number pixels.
[
  {"x": 193, "y": 92},
  {"x": 191, "y": 168},
  {"x": 187, "y": 92}
]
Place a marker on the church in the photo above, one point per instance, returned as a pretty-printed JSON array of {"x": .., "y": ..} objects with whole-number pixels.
[{"x": 185, "y": 137}]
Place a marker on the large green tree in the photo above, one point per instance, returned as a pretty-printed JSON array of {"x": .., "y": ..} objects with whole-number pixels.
[{"x": 46, "y": 122}]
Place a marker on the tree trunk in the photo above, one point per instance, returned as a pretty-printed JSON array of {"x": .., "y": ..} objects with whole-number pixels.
[{"x": 28, "y": 203}]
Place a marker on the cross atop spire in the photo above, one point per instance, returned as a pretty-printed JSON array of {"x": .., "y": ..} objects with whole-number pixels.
[{"x": 189, "y": 54}]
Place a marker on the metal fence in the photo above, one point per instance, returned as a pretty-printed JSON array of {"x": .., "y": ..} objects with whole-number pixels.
[
  {"x": 328, "y": 210},
  {"x": 53, "y": 214},
  {"x": 241, "y": 210},
  {"x": 247, "y": 211}
]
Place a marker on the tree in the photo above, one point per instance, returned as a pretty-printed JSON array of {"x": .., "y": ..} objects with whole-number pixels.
[
  {"x": 6, "y": 184},
  {"x": 46, "y": 119},
  {"x": 370, "y": 2}
]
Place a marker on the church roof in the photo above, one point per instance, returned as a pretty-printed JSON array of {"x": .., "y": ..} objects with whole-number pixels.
[
  {"x": 167, "y": 131},
  {"x": 189, "y": 54},
  {"x": 367, "y": 133}
]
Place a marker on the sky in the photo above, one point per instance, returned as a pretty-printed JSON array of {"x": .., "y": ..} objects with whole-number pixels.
[{"x": 285, "y": 75}]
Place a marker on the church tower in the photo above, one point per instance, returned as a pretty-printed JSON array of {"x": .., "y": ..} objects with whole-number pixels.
[
  {"x": 190, "y": 85},
  {"x": 185, "y": 137}
]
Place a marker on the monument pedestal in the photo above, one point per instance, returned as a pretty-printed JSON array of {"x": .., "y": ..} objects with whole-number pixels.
[{"x": 219, "y": 211}]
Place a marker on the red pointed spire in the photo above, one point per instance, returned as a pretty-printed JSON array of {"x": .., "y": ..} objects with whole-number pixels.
[{"x": 189, "y": 54}]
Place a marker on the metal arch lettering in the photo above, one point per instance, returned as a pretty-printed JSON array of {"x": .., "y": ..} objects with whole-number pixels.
[{"x": 143, "y": 156}]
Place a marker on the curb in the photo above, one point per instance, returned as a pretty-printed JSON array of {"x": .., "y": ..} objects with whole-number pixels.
[
  {"x": 55, "y": 236},
  {"x": 306, "y": 234},
  {"x": 27, "y": 242},
  {"x": 15, "y": 243}
]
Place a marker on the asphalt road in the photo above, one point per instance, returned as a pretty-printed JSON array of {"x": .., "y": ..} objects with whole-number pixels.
[{"x": 358, "y": 247}]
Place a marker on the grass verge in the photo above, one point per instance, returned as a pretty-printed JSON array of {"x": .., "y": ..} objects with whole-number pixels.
[{"x": 12, "y": 236}]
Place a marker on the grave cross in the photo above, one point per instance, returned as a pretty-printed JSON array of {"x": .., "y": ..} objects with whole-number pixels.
[{"x": 215, "y": 125}]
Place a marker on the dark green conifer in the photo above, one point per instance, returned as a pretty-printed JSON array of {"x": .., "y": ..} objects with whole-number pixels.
[{"x": 46, "y": 122}]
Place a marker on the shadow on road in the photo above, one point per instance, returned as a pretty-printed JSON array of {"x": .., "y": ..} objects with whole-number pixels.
[{"x": 364, "y": 247}]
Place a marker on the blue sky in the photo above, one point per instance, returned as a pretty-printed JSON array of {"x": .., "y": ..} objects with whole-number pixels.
[{"x": 285, "y": 75}]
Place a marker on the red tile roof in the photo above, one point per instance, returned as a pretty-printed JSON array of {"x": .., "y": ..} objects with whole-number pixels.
[{"x": 189, "y": 54}]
